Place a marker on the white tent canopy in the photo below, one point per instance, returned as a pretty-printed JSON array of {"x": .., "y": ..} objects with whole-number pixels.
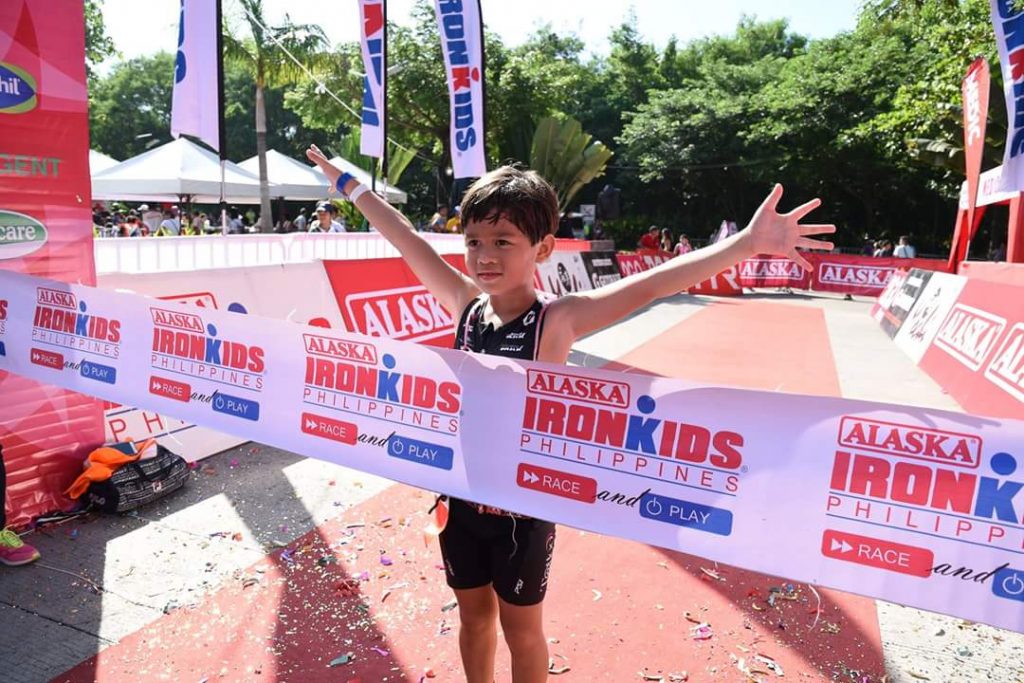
[
  {"x": 178, "y": 169},
  {"x": 393, "y": 195},
  {"x": 98, "y": 161},
  {"x": 291, "y": 179}
]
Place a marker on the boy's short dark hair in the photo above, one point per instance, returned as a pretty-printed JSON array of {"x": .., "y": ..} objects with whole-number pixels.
[{"x": 523, "y": 198}]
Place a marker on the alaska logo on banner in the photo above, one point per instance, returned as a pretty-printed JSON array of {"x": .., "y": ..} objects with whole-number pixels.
[
  {"x": 1008, "y": 22},
  {"x": 383, "y": 298},
  {"x": 461, "y": 32},
  {"x": 17, "y": 90},
  {"x": 195, "y": 100},
  {"x": 372, "y": 18}
]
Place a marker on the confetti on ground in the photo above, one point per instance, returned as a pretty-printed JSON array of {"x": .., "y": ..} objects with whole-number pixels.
[
  {"x": 597, "y": 594},
  {"x": 711, "y": 573},
  {"x": 557, "y": 670},
  {"x": 701, "y": 632},
  {"x": 343, "y": 659}
]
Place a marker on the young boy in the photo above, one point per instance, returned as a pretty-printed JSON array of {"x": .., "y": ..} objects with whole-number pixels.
[{"x": 497, "y": 562}]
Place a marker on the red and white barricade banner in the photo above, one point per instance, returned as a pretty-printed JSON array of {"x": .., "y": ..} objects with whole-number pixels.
[
  {"x": 383, "y": 298},
  {"x": 630, "y": 264},
  {"x": 726, "y": 283},
  {"x": 977, "y": 349},
  {"x": 893, "y": 502},
  {"x": 840, "y": 273},
  {"x": 861, "y": 275},
  {"x": 967, "y": 333}
]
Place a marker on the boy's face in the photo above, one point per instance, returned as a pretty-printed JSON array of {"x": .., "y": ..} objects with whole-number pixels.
[{"x": 500, "y": 258}]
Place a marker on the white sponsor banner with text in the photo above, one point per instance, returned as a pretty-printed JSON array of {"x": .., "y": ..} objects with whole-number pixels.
[
  {"x": 266, "y": 291},
  {"x": 915, "y": 506}
]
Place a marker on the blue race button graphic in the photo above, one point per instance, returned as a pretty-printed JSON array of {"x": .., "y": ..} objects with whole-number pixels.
[
  {"x": 1009, "y": 583},
  {"x": 98, "y": 372},
  {"x": 236, "y": 407},
  {"x": 687, "y": 514},
  {"x": 3, "y": 349},
  {"x": 422, "y": 452}
]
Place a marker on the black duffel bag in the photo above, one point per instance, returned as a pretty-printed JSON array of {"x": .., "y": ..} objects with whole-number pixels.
[{"x": 139, "y": 483}]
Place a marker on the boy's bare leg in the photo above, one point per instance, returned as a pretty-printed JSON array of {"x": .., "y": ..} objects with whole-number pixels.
[
  {"x": 478, "y": 633},
  {"x": 524, "y": 633}
]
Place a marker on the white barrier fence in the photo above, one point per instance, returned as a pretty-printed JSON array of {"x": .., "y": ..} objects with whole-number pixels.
[{"x": 167, "y": 254}]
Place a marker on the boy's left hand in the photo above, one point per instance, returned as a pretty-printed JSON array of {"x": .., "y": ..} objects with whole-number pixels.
[{"x": 780, "y": 234}]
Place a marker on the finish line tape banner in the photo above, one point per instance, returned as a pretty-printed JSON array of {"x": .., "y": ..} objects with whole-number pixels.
[{"x": 909, "y": 505}]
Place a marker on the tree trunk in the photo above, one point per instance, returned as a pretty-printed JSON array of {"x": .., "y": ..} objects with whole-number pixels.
[{"x": 266, "y": 216}]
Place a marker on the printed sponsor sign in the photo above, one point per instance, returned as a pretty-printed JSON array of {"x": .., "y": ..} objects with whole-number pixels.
[
  {"x": 266, "y": 291},
  {"x": 894, "y": 502},
  {"x": 564, "y": 273},
  {"x": 20, "y": 234},
  {"x": 902, "y": 300},
  {"x": 932, "y": 305},
  {"x": 602, "y": 267},
  {"x": 1006, "y": 370},
  {"x": 975, "y": 353},
  {"x": 772, "y": 271},
  {"x": 383, "y": 298},
  {"x": 18, "y": 91}
]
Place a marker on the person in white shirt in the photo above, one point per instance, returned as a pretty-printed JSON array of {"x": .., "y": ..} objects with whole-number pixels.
[
  {"x": 325, "y": 219},
  {"x": 151, "y": 218},
  {"x": 904, "y": 249}
]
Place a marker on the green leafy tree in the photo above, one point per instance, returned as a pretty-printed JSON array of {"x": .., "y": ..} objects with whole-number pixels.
[
  {"x": 130, "y": 108},
  {"x": 267, "y": 53},
  {"x": 98, "y": 45}
]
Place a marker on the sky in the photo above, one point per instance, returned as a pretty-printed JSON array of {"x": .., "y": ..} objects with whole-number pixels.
[{"x": 141, "y": 28}]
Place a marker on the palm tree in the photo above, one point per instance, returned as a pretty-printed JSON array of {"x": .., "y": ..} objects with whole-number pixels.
[
  {"x": 566, "y": 156},
  {"x": 265, "y": 54}
]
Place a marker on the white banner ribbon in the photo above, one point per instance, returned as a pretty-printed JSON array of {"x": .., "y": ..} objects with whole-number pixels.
[{"x": 909, "y": 505}]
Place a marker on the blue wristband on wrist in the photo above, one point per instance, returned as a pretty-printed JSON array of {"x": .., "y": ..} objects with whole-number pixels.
[{"x": 340, "y": 183}]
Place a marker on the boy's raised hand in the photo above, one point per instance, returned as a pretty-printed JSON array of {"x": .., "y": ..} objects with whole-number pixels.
[
  {"x": 330, "y": 170},
  {"x": 780, "y": 234}
]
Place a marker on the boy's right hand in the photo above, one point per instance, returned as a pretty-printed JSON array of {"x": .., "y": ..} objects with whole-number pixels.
[{"x": 330, "y": 170}]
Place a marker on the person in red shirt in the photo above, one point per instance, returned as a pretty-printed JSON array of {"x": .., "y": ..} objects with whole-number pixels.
[{"x": 651, "y": 239}]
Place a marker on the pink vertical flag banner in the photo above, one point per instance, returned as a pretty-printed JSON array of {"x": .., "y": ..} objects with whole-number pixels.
[
  {"x": 461, "y": 31},
  {"x": 195, "y": 102}
]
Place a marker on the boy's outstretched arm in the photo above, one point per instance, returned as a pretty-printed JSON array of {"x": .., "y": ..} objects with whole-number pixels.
[
  {"x": 768, "y": 232},
  {"x": 451, "y": 288}
]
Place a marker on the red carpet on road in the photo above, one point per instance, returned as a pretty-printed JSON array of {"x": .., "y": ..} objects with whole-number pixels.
[{"x": 617, "y": 610}]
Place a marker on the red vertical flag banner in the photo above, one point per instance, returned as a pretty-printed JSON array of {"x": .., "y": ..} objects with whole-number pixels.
[
  {"x": 974, "y": 89},
  {"x": 45, "y": 230}
]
